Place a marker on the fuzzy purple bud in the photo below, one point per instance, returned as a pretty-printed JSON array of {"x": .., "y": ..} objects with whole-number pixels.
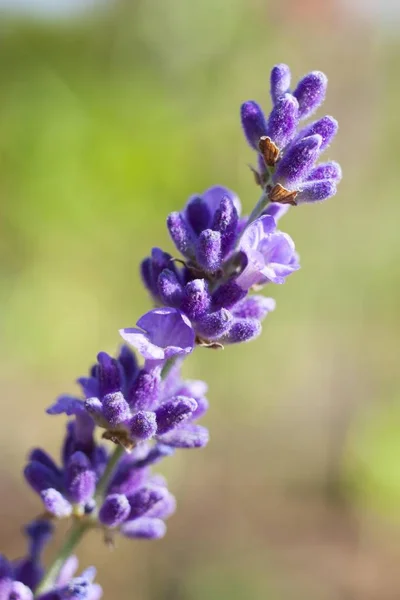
[
  {"x": 143, "y": 425},
  {"x": 196, "y": 301},
  {"x": 330, "y": 170},
  {"x": 108, "y": 373},
  {"x": 145, "y": 390},
  {"x": 173, "y": 412},
  {"x": 144, "y": 528},
  {"x": 41, "y": 477},
  {"x": 180, "y": 234},
  {"x": 116, "y": 409},
  {"x": 253, "y": 122},
  {"x": 225, "y": 221},
  {"x": 169, "y": 288},
  {"x": 298, "y": 161},
  {"x": 327, "y": 128},
  {"x": 280, "y": 81},
  {"x": 208, "y": 250},
  {"x": 315, "y": 191},
  {"x": 310, "y": 93},
  {"x": 243, "y": 330},
  {"x": 144, "y": 500},
  {"x": 283, "y": 120},
  {"x": 254, "y": 307},
  {"x": 215, "y": 324},
  {"x": 80, "y": 479},
  {"x": 187, "y": 436},
  {"x": 115, "y": 510},
  {"x": 55, "y": 503},
  {"x": 227, "y": 295}
]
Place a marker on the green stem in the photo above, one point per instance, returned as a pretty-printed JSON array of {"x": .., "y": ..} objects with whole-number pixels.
[
  {"x": 105, "y": 478},
  {"x": 73, "y": 538},
  {"x": 259, "y": 208}
]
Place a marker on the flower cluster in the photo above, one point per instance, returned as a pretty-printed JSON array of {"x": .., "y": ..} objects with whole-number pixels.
[
  {"x": 204, "y": 297},
  {"x": 286, "y": 155},
  {"x": 19, "y": 579}
]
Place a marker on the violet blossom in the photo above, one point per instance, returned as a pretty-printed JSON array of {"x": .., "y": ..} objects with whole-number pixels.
[{"x": 202, "y": 297}]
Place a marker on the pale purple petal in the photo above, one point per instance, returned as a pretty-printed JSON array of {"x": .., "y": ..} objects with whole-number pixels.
[{"x": 167, "y": 333}]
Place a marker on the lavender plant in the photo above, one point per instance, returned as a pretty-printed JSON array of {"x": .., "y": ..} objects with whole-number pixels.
[{"x": 140, "y": 402}]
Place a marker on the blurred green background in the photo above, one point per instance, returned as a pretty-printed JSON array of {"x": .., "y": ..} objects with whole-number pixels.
[{"x": 109, "y": 121}]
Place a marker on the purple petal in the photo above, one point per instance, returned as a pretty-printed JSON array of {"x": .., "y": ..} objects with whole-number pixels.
[
  {"x": 168, "y": 333},
  {"x": 41, "y": 477},
  {"x": 163, "y": 509},
  {"x": 66, "y": 405},
  {"x": 56, "y": 504},
  {"x": 186, "y": 436},
  {"x": 276, "y": 210},
  {"x": 198, "y": 214},
  {"x": 90, "y": 386},
  {"x": 18, "y": 591},
  {"x": 254, "y": 307},
  {"x": 144, "y": 528},
  {"x": 109, "y": 374},
  {"x": 155, "y": 454},
  {"x": 39, "y": 455},
  {"x": 95, "y": 409},
  {"x": 214, "y": 195},
  {"x": 67, "y": 571}
]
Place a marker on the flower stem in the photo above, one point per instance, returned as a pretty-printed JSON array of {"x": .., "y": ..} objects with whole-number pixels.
[
  {"x": 73, "y": 538},
  {"x": 105, "y": 478},
  {"x": 259, "y": 208},
  {"x": 79, "y": 528}
]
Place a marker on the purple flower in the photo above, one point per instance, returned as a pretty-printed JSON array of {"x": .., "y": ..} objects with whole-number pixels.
[
  {"x": 163, "y": 333},
  {"x": 19, "y": 578},
  {"x": 204, "y": 232},
  {"x": 132, "y": 404},
  {"x": 270, "y": 255},
  {"x": 286, "y": 158},
  {"x": 68, "y": 489}
]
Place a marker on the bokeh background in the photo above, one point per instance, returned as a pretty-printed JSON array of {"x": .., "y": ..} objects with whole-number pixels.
[{"x": 111, "y": 115}]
